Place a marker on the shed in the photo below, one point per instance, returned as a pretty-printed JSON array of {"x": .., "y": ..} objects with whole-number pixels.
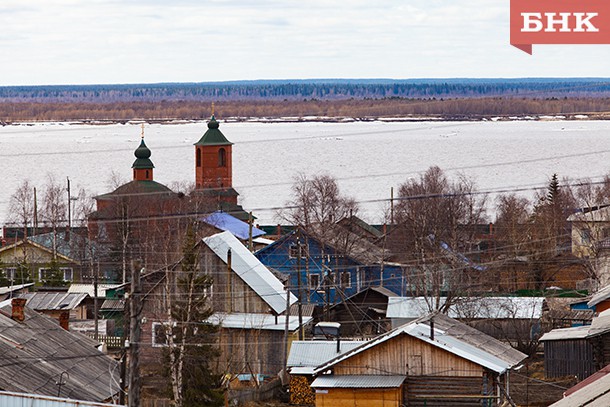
[
  {"x": 53, "y": 304},
  {"x": 444, "y": 361}
]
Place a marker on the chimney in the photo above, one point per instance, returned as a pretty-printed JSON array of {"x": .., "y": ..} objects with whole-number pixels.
[
  {"x": 64, "y": 320},
  {"x": 17, "y": 312}
]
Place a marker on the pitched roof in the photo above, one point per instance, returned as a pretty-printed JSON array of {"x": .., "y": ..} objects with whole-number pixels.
[
  {"x": 229, "y": 223},
  {"x": 595, "y": 376},
  {"x": 36, "y": 351},
  {"x": 594, "y": 394},
  {"x": 251, "y": 270},
  {"x": 139, "y": 188},
  {"x": 13, "y": 288},
  {"x": 72, "y": 246},
  {"x": 599, "y": 296},
  {"x": 599, "y": 325},
  {"x": 596, "y": 215},
  {"x": 451, "y": 336},
  {"x": 213, "y": 136},
  {"x": 304, "y": 356},
  {"x": 41, "y": 301},
  {"x": 470, "y": 307},
  {"x": 8, "y": 398},
  {"x": 89, "y": 289}
]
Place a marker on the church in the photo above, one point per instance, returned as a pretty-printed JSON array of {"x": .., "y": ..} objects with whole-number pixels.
[{"x": 143, "y": 215}]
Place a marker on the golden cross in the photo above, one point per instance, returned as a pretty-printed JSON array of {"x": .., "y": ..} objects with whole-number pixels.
[
  {"x": 142, "y": 131},
  {"x": 212, "y": 108}
]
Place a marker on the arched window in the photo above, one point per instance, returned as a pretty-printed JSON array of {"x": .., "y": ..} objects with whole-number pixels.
[
  {"x": 222, "y": 158},
  {"x": 198, "y": 157},
  {"x": 146, "y": 174}
]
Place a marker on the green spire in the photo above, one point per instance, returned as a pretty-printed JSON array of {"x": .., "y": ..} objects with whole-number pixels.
[
  {"x": 142, "y": 154},
  {"x": 213, "y": 137}
]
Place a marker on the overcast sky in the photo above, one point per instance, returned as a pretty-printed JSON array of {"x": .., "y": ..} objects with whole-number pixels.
[{"x": 149, "y": 41}]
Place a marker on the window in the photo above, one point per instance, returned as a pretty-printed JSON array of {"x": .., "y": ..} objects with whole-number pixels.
[
  {"x": 293, "y": 251},
  {"x": 159, "y": 334},
  {"x": 585, "y": 236},
  {"x": 606, "y": 233},
  {"x": 44, "y": 274},
  {"x": 198, "y": 157},
  {"x": 68, "y": 274},
  {"x": 346, "y": 279},
  {"x": 9, "y": 273},
  {"x": 314, "y": 281},
  {"x": 222, "y": 158}
]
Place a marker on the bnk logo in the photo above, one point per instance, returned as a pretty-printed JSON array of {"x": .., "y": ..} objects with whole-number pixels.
[{"x": 559, "y": 22}]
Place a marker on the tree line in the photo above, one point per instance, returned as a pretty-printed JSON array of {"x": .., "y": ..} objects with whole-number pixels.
[{"x": 459, "y": 109}]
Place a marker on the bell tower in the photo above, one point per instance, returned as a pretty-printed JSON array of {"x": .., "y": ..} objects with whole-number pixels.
[
  {"x": 142, "y": 166},
  {"x": 213, "y": 163}
]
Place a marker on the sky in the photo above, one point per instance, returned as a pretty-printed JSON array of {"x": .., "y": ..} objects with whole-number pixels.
[{"x": 149, "y": 41}]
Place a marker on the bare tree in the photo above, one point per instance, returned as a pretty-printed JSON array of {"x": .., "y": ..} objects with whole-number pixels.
[
  {"x": 54, "y": 207},
  {"x": 437, "y": 218},
  {"x": 21, "y": 206}
]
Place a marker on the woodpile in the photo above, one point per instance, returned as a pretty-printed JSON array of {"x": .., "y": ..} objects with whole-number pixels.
[{"x": 301, "y": 391}]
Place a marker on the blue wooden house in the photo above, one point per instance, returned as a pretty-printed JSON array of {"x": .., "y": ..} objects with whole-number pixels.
[{"x": 332, "y": 270}]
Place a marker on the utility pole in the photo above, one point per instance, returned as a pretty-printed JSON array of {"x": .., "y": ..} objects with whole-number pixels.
[
  {"x": 35, "y": 212},
  {"x": 250, "y": 220},
  {"x": 134, "y": 336},
  {"x": 69, "y": 211},
  {"x": 95, "y": 281},
  {"x": 229, "y": 281},
  {"x": 287, "y": 314},
  {"x": 391, "y": 206},
  {"x": 299, "y": 288}
]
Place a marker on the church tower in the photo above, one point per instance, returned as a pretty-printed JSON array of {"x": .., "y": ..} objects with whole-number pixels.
[
  {"x": 213, "y": 164},
  {"x": 142, "y": 166}
]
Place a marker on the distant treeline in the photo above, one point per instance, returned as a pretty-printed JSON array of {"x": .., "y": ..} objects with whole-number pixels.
[
  {"x": 299, "y": 90},
  {"x": 458, "y": 108}
]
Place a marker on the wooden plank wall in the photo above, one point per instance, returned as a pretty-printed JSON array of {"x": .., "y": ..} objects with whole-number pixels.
[
  {"x": 405, "y": 355},
  {"x": 359, "y": 398},
  {"x": 568, "y": 358},
  {"x": 447, "y": 391}
]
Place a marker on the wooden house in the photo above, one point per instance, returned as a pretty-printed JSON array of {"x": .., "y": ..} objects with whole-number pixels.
[
  {"x": 327, "y": 271},
  {"x": 434, "y": 360},
  {"x": 37, "y": 354},
  {"x": 364, "y": 313},
  {"x": 579, "y": 351}
]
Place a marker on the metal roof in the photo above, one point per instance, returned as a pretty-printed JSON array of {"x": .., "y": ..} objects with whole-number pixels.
[
  {"x": 358, "y": 382},
  {"x": 229, "y": 223},
  {"x": 450, "y": 335},
  {"x": 599, "y": 326},
  {"x": 266, "y": 322},
  {"x": 599, "y": 296},
  {"x": 469, "y": 307},
  {"x": 313, "y": 353},
  {"x": 595, "y": 394},
  {"x": 113, "y": 305},
  {"x": 37, "y": 350},
  {"x": 89, "y": 289},
  {"x": 13, "y": 288},
  {"x": 251, "y": 270},
  {"x": 53, "y": 301},
  {"x": 9, "y": 399}
]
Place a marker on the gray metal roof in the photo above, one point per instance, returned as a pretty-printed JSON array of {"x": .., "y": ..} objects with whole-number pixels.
[
  {"x": 469, "y": 307},
  {"x": 89, "y": 289},
  {"x": 451, "y": 335},
  {"x": 358, "y": 382},
  {"x": 596, "y": 394},
  {"x": 36, "y": 351},
  {"x": 256, "y": 321},
  {"x": 53, "y": 301},
  {"x": 599, "y": 296},
  {"x": 599, "y": 326},
  {"x": 13, "y": 288},
  {"x": 314, "y": 353},
  {"x": 9, "y": 399},
  {"x": 250, "y": 269},
  {"x": 113, "y": 305}
]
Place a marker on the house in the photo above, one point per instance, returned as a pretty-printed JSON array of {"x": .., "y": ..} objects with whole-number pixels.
[
  {"x": 37, "y": 354},
  {"x": 328, "y": 272},
  {"x": 578, "y": 351},
  {"x": 433, "y": 360},
  {"x": 30, "y": 259},
  {"x": 58, "y": 305},
  {"x": 517, "y": 320},
  {"x": 600, "y": 301},
  {"x": 364, "y": 313},
  {"x": 249, "y": 305},
  {"x": 590, "y": 231},
  {"x": 90, "y": 300}
]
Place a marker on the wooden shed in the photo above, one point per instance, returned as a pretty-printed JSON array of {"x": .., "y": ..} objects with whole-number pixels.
[
  {"x": 578, "y": 351},
  {"x": 441, "y": 362}
]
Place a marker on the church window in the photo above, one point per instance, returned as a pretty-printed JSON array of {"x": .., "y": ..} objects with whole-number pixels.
[
  {"x": 222, "y": 158},
  {"x": 198, "y": 158}
]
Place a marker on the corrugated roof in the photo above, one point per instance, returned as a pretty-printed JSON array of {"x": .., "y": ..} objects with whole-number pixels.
[
  {"x": 9, "y": 399},
  {"x": 113, "y": 305},
  {"x": 256, "y": 321},
  {"x": 452, "y": 336},
  {"x": 53, "y": 301},
  {"x": 560, "y": 334},
  {"x": 311, "y": 354},
  {"x": 36, "y": 351},
  {"x": 595, "y": 376},
  {"x": 89, "y": 289},
  {"x": 229, "y": 223},
  {"x": 596, "y": 394},
  {"x": 470, "y": 307},
  {"x": 358, "y": 382},
  {"x": 250, "y": 269},
  {"x": 13, "y": 288}
]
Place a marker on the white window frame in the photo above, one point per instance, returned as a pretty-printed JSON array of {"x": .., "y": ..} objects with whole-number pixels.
[
  {"x": 9, "y": 273},
  {"x": 41, "y": 270},
  {"x": 68, "y": 271},
  {"x": 155, "y": 344},
  {"x": 313, "y": 276}
]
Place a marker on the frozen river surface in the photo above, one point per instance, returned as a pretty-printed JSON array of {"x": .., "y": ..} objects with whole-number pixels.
[{"x": 368, "y": 158}]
